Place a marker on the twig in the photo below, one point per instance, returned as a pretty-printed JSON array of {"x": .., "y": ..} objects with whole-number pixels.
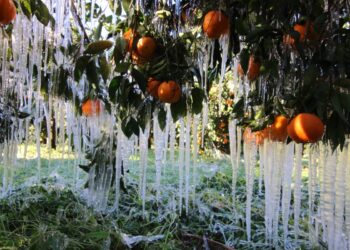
[
  {"x": 212, "y": 243},
  {"x": 78, "y": 21}
]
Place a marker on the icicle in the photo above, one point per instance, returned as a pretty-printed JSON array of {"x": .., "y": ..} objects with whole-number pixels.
[
  {"x": 224, "y": 43},
  {"x": 159, "y": 147},
  {"x": 297, "y": 187},
  {"x": 172, "y": 143},
  {"x": 286, "y": 191},
  {"x": 144, "y": 135},
  {"x": 233, "y": 156},
  {"x": 181, "y": 162},
  {"x": 339, "y": 237},
  {"x": 250, "y": 153},
  {"x": 312, "y": 193},
  {"x": 187, "y": 160},
  {"x": 347, "y": 195},
  {"x": 329, "y": 196},
  {"x": 118, "y": 163},
  {"x": 205, "y": 118},
  {"x": 195, "y": 154}
]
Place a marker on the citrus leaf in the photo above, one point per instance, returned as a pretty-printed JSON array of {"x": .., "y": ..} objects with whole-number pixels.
[
  {"x": 98, "y": 47},
  {"x": 244, "y": 60},
  {"x": 122, "y": 67},
  {"x": 178, "y": 109},
  {"x": 105, "y": 68},
  {"x": 26, "y": 8},
  {"x": 162, "y": 118},
  {"x": 80, "y": 67},
  {"x": 197, "y": 100},
  {"x": 113, "y": 87},
  {"x": 119, "y": 50},
  {"x": 139, "y": 78},
  {"x": 41, "y": 12}
]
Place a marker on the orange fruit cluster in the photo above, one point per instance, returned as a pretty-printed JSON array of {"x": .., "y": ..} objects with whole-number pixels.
[
  {"x": 215, "y": 24},
  {"x": 7, "y": 11},
  {"x": 276, "y": 132},
  {"x": 145, "y": 47},
  {"x": 167, "y": 91}
]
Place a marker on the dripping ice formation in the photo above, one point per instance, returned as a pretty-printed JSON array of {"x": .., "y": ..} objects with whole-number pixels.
[{"x": 274, "y": 169}]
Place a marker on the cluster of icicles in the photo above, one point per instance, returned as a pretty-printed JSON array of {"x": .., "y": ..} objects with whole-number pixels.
[{"x": 280, "y": 166}]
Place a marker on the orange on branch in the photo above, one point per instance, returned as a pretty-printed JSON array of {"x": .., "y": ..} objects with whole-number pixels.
[
  {"x": 152, "y": 87},
  {"x": 253, "y": 68},
  {"x": 278, "y": 130},
  {"x": 7, "y": 11},
  {"x": 146, "y": 47},
  {"x": 91, "y": 107},
  {"x": 305, "y": 128},
  {"x": 169, "y": 92},
  {"x": 129, "y": 37},
  {"x": 215, "y": 24},
  {"x": 305, "y": 30}
]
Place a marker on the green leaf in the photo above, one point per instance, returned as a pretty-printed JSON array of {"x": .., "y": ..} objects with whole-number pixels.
[
  {"x": 126, "y": 4},
  {"x": 119, "y": 50},
  {"x": 130, "y": 127},
  {"x": 336, "y": 104},
  {"x": 113, "y": 87},
  {"x": 115, "y": 5},
  {"x": 244, "y": 60},
  {"x": 98, "y": 30},
  {"x": 122, "y": 67},
  {"x": 91, "y": 72},
  {"x": 98, "y": 47},
  {"x": 105, "y": 68},
  {"x": 80, "y": 67},
  {"x": 26, "y": 8},
  {"x": 162, "y": 118},
  {"x": 41, "y": 12},
  {"x": 197, "y": 100},
  {"x": 335, "y": 131},
  {"x": 139, "y": 78},
  {"x": 178, "y": 109},
  {"x": 238, "y": 107}
]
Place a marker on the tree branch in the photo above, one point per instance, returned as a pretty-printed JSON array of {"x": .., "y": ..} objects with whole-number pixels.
[{"x": 78, "y": 21}]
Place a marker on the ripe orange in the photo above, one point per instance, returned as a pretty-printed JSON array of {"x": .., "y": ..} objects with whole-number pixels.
[
  {"x": 215, "y": 24},
  {"x": 253, "y": 68},
  {"x": 152, "y": 87},
  {"x": 257, "y": 137},
  {"x": 91, "y": 107},
  {"x": 169, "y": 92},
  {"x": 278, "y": 130},
  {"x": 129, "y": 37},
  {"x": 306, "y": 31},
  {"x": 7, "y": 11},
  {"x": 305, "y": 128},
  {"x": 146, "y": 47}
]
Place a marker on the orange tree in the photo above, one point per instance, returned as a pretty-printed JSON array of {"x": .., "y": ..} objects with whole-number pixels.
[{"x": 300, "y": 51}]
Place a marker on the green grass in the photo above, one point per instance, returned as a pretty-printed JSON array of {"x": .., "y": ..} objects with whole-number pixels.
[{"x": 51, "y": 215}]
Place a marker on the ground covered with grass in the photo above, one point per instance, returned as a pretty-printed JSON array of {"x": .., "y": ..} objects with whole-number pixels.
[{"x": 49, "y": 215}]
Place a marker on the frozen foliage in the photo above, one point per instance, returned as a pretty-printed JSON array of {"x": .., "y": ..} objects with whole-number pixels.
[{"x": 279, "y": 169}]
